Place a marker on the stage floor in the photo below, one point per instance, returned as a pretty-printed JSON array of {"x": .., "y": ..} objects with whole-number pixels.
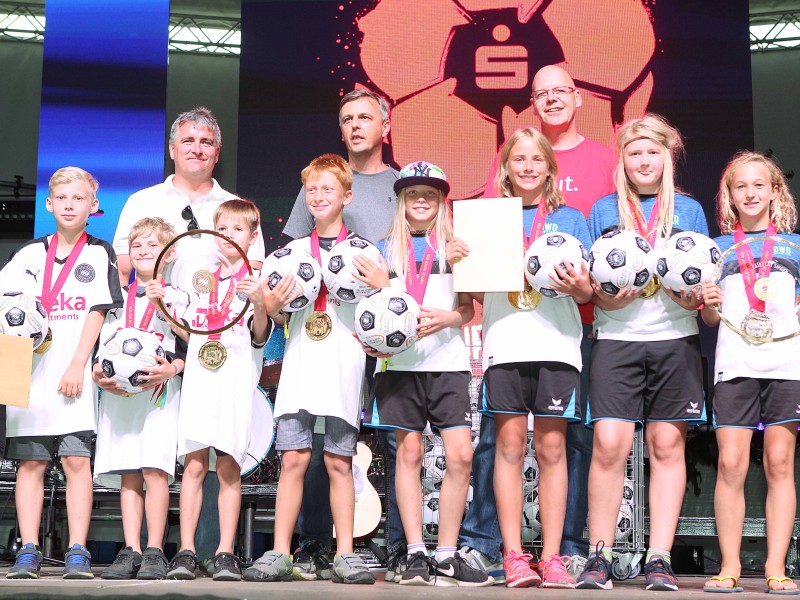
[{"x": 50, "y": 585}]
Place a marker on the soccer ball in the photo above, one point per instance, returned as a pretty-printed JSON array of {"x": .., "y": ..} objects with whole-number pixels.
[
  {"x": 530, "y": 470},
  {"x": 547, "y": 252},
  {"x": 624, "y": 523},
  {"x": 531, "y": 521},
  {"x": 430, "y": 514},
  {"x": 686, "y": 260},
  {"x": 339, "y": 270},
  {"x": 125, "y": 353},
  {"x": 627, "y": 491},
  {"x": 387, "y": 320},
  {"x": 23, "y": 316},
  {"x": 305, "y": 269},
  {"x": 620, "y": 260}
]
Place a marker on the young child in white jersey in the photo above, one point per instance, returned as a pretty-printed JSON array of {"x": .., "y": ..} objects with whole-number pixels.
[
  {"x": 524, "y": 376},
  {"x": 755, "y": 383},
  {"x": 322, "y": 374},
  {"x": 75, "y": 277},
  {"x": 137, "y": 435},
  {"x": 646, "y": 364},
  {"x": 429, "y": 382},
  {"x": 217, "y": 396}
]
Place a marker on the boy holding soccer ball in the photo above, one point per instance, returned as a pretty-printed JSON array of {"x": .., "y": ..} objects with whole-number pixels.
[
  {"x": 137, "y": 434},
  {"x": 323, "y": 369},
  {"x": 75, "y": 277}
]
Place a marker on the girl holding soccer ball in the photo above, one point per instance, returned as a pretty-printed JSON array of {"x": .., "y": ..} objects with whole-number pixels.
[
  {"x": 532, "y": 362},
  {"x": 428, "y": 382},
  {"x": 646, "y": 365},
  {"x": 756, "y": 382}
]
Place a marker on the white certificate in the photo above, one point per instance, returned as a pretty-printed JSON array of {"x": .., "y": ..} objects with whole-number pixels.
[{"x": 492, "y": 229}]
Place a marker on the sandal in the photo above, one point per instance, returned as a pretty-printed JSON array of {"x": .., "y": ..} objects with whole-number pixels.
[
  {"x": 781, "y": 591},
  {"x": 735, "y": 588}
]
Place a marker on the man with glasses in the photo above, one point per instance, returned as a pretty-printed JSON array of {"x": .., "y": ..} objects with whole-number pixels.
[
  {"x": 585, "y": 173},
  {"x": 187, "y": 199}
]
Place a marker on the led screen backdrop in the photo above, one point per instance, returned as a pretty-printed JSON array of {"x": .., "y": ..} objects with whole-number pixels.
[
  {"x": 104, "y": 90},
  {"x": 458, "y": 76}
]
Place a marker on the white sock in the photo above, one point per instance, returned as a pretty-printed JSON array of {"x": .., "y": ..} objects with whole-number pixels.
[
  {"x": 414, "y": 548},
  {"x": 445, "y": 552}
]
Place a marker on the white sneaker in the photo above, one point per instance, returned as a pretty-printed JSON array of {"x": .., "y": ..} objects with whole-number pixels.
[
  {"x": 576, "y": 565},
  {"x": 478, "y": 560}
]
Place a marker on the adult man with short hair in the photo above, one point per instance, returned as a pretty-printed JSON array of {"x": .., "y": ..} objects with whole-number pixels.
[
  {"x": 585, "y": 173},
  {"x": 187, "y": 199},
  {"x": 364, "y": 122}
]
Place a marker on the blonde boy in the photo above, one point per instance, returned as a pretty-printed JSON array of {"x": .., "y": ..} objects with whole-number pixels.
[{"x": 75, "y": 276}]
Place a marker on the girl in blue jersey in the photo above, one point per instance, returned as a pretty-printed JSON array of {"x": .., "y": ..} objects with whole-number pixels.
[
  {"x": 756, "y": 382},
  {"x": 646, "y": 364},
  {"x": 429, "y": 382},
  {"x": 532, "y": 363}
]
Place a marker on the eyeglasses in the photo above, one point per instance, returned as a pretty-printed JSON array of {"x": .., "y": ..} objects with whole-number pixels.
[
  {"x": 558, "y": 92},
  {"x": 188, "y": 215}
]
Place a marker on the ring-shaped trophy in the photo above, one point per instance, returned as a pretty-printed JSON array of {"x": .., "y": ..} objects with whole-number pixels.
[
  {"x": 758, "y": 327},
  {"x": 193, "y": 272}
]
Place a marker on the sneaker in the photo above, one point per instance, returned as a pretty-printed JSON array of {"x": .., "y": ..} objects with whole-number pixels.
[
  {"x": 227, "y": 567},
  {"x": 183, "y": 565},
  {"x": 658, "y": 576},
  {"x": 478, "y": 560},
  {"x": 78, "y": 563},
  {"x": 273, "y": 566},
  {"x": 350, "y": 568},
  {"x": 597, "y": 572},
  {"x": 575, "y": 565},
  {"x": 457, "y": 572},
  {"x": 396, "y": 564},
  {"x": 154, "y": 565},
  {"x": 554, "y": 572},
  {"x": 125, "y": 566},
  {"x": 518, "y": 570},
  {"x": 27, "y": 563},
  {"x": 206, "y": 566},
  {"x": 420, "y": 570},
  {"x": 311, "y": 563}
]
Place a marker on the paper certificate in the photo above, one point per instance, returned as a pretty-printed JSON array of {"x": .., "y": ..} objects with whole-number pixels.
[{"x": 492, "y": 229}]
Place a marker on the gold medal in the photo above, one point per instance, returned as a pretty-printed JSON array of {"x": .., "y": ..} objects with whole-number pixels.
[
  {"x": 318, "y": 325},
  {"x": 46, "y": 343},
  {"x": 652, "y": 287},
  {"x": 203, "y": 281},
  {"x": 761, "y": 289},
  {"x": 527, "y": 299},
  {"x": 757, "y": 326},
  {"x": 212, "y": 355}
]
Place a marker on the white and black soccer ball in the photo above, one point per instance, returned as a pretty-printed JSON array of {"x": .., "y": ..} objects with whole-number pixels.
[
  {"x": 687, "y": 259},
  {"x": 23, "y": 316},
  {"x": 624, "y": 531},
  {"x": 125, "y": 353},
  {"x": 530, "y": 470},
  {"x": 302, "y": 266},
  {"x": 627, "y": 491},
  {"x": 338, "y": 272},
  {"x": 620, "y": 260},
  {"x": 387, "y": 320},
  {"x": 547, "y": 252},
  {"x": 531, "y": 521},
  {"x": 430, "y": 515}
]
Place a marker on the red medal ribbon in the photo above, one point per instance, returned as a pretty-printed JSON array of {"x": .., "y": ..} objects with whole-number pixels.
[
  {"x": 322, "y": 300},
  {"x": 216, "y": 314},
  {"x": 417, "y": 281},
  {"x": 747, "y": 263},
  {"x": 49, "y": 293},
  {"x": 130, "y": 310},
  {"x": 537, "y": 227},
  {"x": 651, "y": 234}
]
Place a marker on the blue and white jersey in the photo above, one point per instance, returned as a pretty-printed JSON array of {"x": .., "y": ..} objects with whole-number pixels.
[
  {"x": 735, "y": 356},
  {"x": 646, "y": 319},
  {"x": 553, "y": 331}
]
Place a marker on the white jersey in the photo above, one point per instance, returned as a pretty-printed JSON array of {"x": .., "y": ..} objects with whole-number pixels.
[
  {"x": 92, "y": 285},
  {"x": 216, "y": 406},
  {"x": 735, "y": 356},
  {"x": 140, "y": 431},
  {"x": 322, "y": 377}
]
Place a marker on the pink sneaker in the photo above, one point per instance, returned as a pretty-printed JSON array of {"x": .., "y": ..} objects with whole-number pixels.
[
  {"x": 554, "y": 572},
  {"x": 518, "y": 570}
]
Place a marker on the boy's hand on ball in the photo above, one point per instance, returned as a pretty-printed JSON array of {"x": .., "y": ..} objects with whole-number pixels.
[
  {"x": 573, "y": 281},
  {"x": 375, "y": 276},
  {"x": 279, "y": 296},
  {"x": 158, "y": 374},
  {"x": 618, "y": 301},
  {"x": 690, "y": 299}
]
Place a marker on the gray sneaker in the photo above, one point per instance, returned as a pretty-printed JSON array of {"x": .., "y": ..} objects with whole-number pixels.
[
  {"x": 273, "y": 566},
  {"x": 478, "y": 560},
  {"x": 350, "y": 568},
  {"x": 396, "y": 564},
  {"x": 154, "y": 565},
  {"x": 311, "y": 563},
  {"x": 577, "y": 564}
]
